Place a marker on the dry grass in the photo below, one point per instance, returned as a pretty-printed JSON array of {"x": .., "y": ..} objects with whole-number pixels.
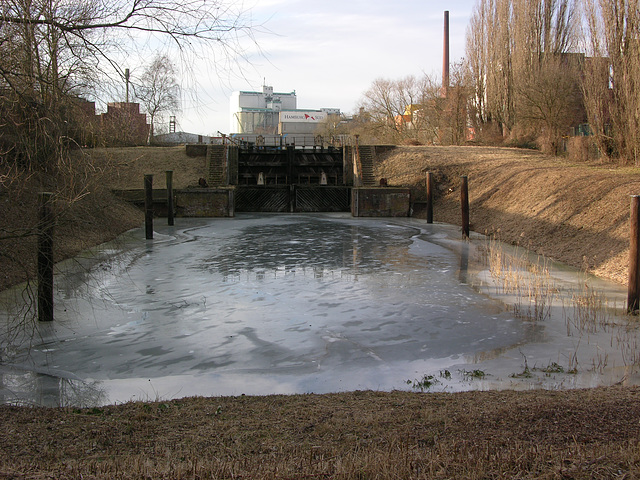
[
  {"x": 529, "y": 282},
  {"x": 87, "y": 214},
  {"x": 129, "y": 165},
  {"x": 359, "y": 435}
]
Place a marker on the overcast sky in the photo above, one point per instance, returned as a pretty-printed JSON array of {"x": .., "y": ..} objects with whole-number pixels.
[{"x": 330, "y": 52}]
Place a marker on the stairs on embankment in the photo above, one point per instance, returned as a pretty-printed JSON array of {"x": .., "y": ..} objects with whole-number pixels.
[
  {"x": 367, "y": 159},
  {"x": 216, "y": 163}
]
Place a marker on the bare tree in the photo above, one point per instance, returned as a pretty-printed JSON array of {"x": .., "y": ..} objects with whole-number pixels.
[
  {"x": 332, "y": 130},
  {"x": 477, "y": 65},
  {"x": 50, "y": 47},
  {"x": 159, "y": 90},
  {"x": 529, "y": 38},
  {"x": 401, "y": 111},
  {"x": 500, "y": 73},
  {"x": 453, "y": 109},
  {"x": 612, "y": 92},
  {"x": 550, "y": 101}
]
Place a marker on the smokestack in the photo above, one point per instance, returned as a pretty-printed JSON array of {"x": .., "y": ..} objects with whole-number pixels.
[{"x": 445, "y": 55}]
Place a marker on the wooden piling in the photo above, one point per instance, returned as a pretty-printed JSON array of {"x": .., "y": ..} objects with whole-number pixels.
[
  {"x": 169, "y": 197},
  {"x": 148, "y": 206},
  {"x": 429, "y": 197},
  {"x": 45, "y": 257},
  {"x": 464, "y": 202},
  {"x": 633, "y": 292},
  {"x": 357, "y": 166}
]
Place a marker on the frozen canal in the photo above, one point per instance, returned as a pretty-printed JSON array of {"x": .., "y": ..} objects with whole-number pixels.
[{"x": 262, "y": 304}]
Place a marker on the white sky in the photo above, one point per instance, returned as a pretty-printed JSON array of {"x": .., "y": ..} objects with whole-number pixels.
[{"x": 330, "y": 52}]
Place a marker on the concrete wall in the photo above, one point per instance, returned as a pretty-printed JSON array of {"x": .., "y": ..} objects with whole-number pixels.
[
  {"x": 193, "y": 202},
  {"x": 196, "y": 150},
  {"x": 220, "y": 202},
  {"x": 380, "y": 202},
  {"x": 204, "y": 202},
  {"x": 305, "y": 128}
]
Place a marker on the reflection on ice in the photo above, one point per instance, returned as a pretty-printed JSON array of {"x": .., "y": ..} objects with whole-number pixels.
[
  {"x": 30, "y": 387},
  {"x": 285, "y": 304}
]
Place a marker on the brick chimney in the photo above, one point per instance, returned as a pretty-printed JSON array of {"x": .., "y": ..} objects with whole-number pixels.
[{"x": 445, "y": 55}]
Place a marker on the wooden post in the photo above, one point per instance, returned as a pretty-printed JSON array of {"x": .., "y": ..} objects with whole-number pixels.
[
  {"x": 357, "y": 167},
  {"x": 355, "y": 198},
  {"x": 148, "y": 206},
  {"x": 169, "y": 197},
  {"x": 464, "y": 202},
  {"x": 45, "y": 258},
  {"x": 633, "y": 293},
  {"x": 429, "y": 197}
]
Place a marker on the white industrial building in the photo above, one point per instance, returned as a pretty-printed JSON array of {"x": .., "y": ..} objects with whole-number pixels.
[{"x": 273, "y": 113}]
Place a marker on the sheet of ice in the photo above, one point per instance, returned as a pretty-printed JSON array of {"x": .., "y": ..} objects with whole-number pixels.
[{"x": 263, "y": 304}]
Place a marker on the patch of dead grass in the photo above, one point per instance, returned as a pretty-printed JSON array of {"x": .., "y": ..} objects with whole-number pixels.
[{"x": 570, "y": 434}]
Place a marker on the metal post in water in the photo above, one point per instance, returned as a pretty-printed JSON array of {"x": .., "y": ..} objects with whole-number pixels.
[
  {"x": 148, "y": 206},
  {"x": 429, "y": 197},
  {"x": 464, "y": 202},
  {"x": 169, "y": 197},
  {"x": 633, "y": 292},
  {"x": 45, "y": 258}
]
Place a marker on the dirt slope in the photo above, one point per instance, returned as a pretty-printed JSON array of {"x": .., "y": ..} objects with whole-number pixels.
[
  {"x": 127, "y": 166},
  {"x": 590, "y": 434},
  {"x": 574, "y": 213},
  {"x": 87, "y": 213}
]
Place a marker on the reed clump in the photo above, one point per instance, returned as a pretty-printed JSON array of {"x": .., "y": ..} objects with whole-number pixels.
[
  {"x": 530, "y": 283},
  {"x": 531, "y": 292},
  {"x": 588, "y": 311}
]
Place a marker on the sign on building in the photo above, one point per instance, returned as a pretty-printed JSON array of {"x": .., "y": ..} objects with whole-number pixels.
[{"x": 303, "y": 116}]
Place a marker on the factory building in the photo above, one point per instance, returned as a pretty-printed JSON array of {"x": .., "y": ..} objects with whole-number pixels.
[{"x": 273, "y": 113}]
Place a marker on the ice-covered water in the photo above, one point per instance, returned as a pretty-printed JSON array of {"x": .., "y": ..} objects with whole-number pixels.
[{"x": 292, "y": 304}]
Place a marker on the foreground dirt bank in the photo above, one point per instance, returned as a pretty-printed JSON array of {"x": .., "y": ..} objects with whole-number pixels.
[
  {"x": 362, "y": 435},
  {"x": 577, "y": 214}
]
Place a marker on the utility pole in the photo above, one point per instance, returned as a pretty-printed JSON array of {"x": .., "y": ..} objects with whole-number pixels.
[{"x": 126, "y": 79}]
